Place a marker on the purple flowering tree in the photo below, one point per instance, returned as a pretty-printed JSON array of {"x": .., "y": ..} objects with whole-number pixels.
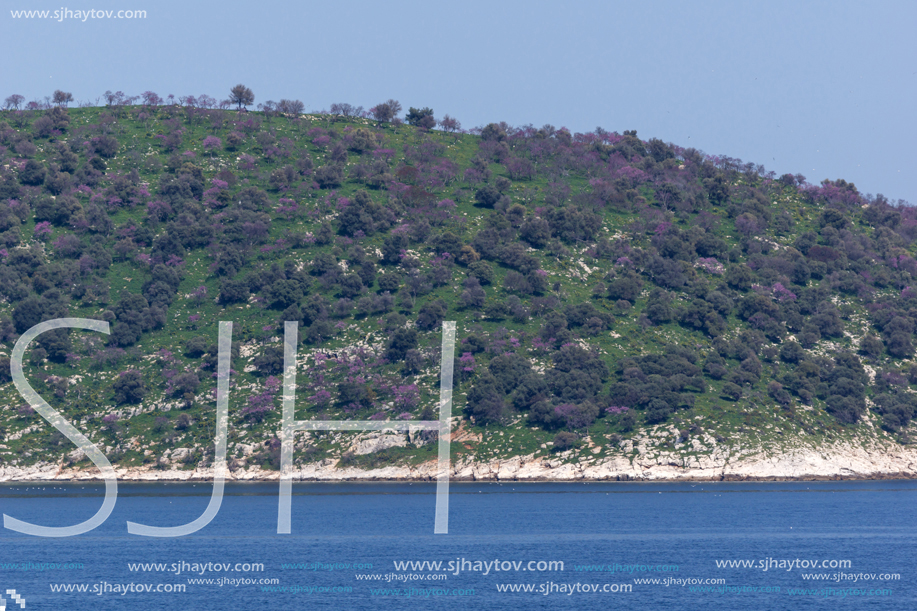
[
  {"x": 110, "y": 422},
  {"x": 407, "y": 396},
  {"x": 211, "y": 144},
  {"x": 42, "y": 230},
  {"x": 781, "y": 293},
  {"x": 321, "y": 399},
  {"x": 259, "y": 406}
]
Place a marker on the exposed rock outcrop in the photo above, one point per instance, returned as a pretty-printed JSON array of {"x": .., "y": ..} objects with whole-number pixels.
[{"x": 838, "y": 461}]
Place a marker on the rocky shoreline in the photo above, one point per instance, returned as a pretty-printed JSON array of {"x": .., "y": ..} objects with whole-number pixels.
[{"x": 837, "y": 462}]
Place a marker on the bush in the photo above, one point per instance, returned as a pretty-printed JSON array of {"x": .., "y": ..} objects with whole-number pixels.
[
  {"x": 33, "y": 173},
  {"x": 658, "y": 411},
  {"x": 233, "y": 291},
  {"x": 482, "y": 270},
  {"x": 185, "y": 383},
  {"x": 401, "y": 342},
  {"x": 791, "y": 352},
  {"x": 197, "y": 346},
  {"x": 160, "y": 424},
  {"x": 129, "y": 387},
  {"x": 732, "y": 391},
  {"x": 487, "y": 196},
  {"x": 431, "y": 315},
  {"x": 183, "y": 422},
  {"x": 846, "y": 410},
  {"x": 329, "y": 176},
  {"x": 352, "y": 392},
  {"x": 564, "y": 441},
  {"x": 421, "y": 117},
  {"x": 535, "y": 231},
  {"x": 270, "y": 362},
  {"x": 389, "y": 281},
  {"x": 627, "y": 421},
  {"x": 485, "y": 401},
  {"x": 106, "y": 146}
]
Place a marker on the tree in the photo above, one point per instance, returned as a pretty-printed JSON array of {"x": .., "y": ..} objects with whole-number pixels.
[
  {"x": 732, "y": 391},
  {"x": 473, "y": 296},
  {"x": 211, "y": 143},
  {"x": 28, "y": 313},
  {"x": 872, "y": 346},
  {"x": 106, "y": 146},
  {"x": 347, "y": 110},
  {"x": 129, "y": 387},
  {"x": 420, "y": 117},
  {"x": 739, "y": 277},
  {"x": 241, "y": 95},
  {"x": 485, "y": 401},
  {"x": 658, "y": 410},
  {"x": 564, "y": 441},
  {"x": 329, "y": 176},
  {"x": 846, "y": 409},
  {"x": 792, "y": 352},
  {"x": 62, "y": 98},
  {"x": 197, "y": 347},
  {"x": 283, "y": 293},
  {"x": 114, "y": 99},
  {"x": 185, "y": 383},
  {"x": 233, "y": 291},
  {"x": 577, "y": 416},
  {"x": 151, "y": 99},
  {"x": 386, "y": 111},
  {"x": 492, "y": 131},
  {"x": 401, "y": 342},
  {"x": 33, "y": 173},
  {"x": 290, "y": 107},
  {"x": 352, "y": 392},
  {"x": 536, "y": 231},
  {"x": 14, "y": 101},
  {"x": 487, "y": 196},
  {"x": 270, "y": 362},
  {"x": 359, "y": 214},
  {"x": 382, "y": 112},
  {"x": 900, "y": 346},
  {"x": 431, "y": 315},
  {"x": 450, "y": 124}
]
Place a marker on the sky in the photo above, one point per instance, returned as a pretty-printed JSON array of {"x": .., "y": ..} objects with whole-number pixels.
[{"x": 823, "y": 89}]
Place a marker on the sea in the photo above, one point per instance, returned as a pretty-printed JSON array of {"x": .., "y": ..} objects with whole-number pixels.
[{"x": 748, "y": 546}]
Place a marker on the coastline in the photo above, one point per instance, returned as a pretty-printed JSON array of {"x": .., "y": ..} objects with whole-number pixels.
[{"x": 837, "y": 462}]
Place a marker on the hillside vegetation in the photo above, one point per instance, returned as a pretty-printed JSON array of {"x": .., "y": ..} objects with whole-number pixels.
[{"x": 600, "y": 283}]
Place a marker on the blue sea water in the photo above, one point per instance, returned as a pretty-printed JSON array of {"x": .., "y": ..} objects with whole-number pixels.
[{"x": 674, "y": 533}]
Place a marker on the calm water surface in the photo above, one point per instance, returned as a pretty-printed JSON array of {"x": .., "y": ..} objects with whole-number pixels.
[{"x": 347, "y": 539}]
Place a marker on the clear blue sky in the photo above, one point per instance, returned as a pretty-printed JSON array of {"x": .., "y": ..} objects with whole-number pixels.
[{"x": 825, "y": 89}]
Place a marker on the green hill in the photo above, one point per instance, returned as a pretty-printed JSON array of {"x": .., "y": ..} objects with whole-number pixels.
[{"x": 601, "y": 284}]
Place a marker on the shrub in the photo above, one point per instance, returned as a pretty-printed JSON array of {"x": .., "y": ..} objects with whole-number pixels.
[
  {"x": 564, "y": 441},
  {"x": 431, "y": 315},
  {"x": 329, "y": 176},
  {"x": 185, "y": 383},
  {"x": 183, "y": 422},
  {"x": 129, "y": 387},
  {"x": 402, "y": 340},
  {"x": 732, "y": 391},
  {"x": 487, "y": 196}
]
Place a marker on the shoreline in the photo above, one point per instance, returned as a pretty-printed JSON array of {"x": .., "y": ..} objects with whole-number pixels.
[
  {"x": 838, "y": 463},
  {"x": 371, "y": 480}
]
